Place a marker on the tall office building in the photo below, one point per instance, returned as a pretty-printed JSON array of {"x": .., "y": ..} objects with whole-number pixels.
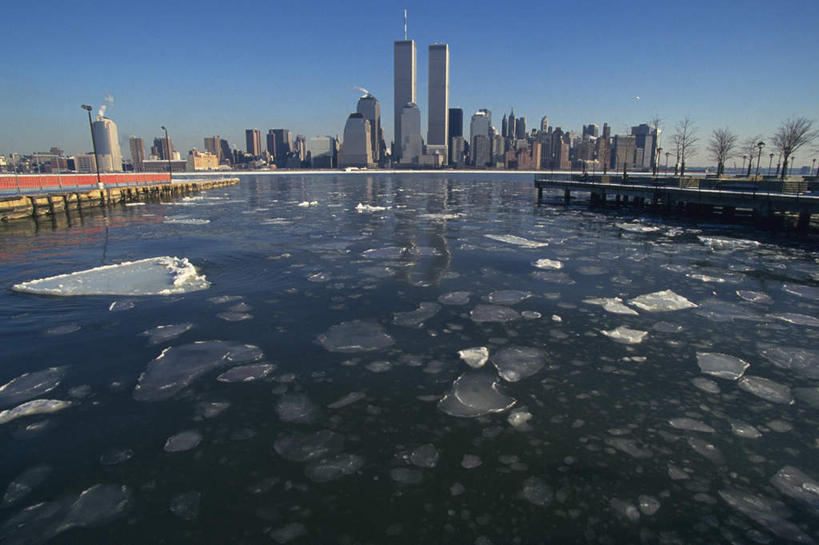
[
  {"x": 213, "y": 144},
  {"x": 368, "y": 107},
  {"x": 283, "y": 145},
  {"x": 480, "y": 141},
  {"x": 227, "y": 153},
  {"x": 322, "y": 150},
  {"x": 623, "y": 152},
  {"x": 108, "y": 151},
  {"x": 646, "y": 141},
  {"x": 544, "y": 124},
  {"x": 592, "y": 129},
  {"x": 520, "y": 128},
  {"x": 162, "y": 148},
  {"x": 456, "y": 122},
  {"x": 137, "y": 146},
  {"x": 355, "y": 149},
  {"x": 404, "y": 86},
  {"x": 253, "y": 139},
  {"x": 412, "y": 146},
  {"x": 438, "y": 115}
]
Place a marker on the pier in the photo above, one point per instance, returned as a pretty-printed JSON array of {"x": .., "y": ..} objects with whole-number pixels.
[
  {"x": 39, "y": 196},
  {"x": 766, "y": 200}
]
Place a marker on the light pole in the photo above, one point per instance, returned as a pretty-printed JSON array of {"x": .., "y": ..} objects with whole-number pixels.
[
  {"x": 657, "y": 161},
  {"x": 168, "y": 146},
  {"x": 760, "y": 145},
  {"x": 770, "y": 162},
  {"x": 743, "y": 162},
  {"x": 87, "y": 108},
  {"x": 813, "y": 163}
]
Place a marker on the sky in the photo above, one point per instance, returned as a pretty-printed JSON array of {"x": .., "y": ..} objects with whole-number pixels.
[{"x": 218, "y": 68}]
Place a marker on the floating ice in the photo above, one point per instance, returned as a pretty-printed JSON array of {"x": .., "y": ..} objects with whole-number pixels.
[
  {"x": 768, "y": 513},
  {"x": 754, "y": 296},
  {"x": 288, "y": 532},
  {"x": 416, "y": 318},
  {"x": 24, "y": 483},
  {"x": 305, "y": 204},
  {"x": 152, "y": 276},
  {"x": 389, "y": 252},
  {"x": 797, "y": 319},
  {"x": 116, "y": 456},
  {"x": 554, "y": 277},
  {"x": 370, "y": 208},
  {"x": 246, "y": 373},
  {"x": 625, "y": 335},
  {"x": 730, "y": 244},
  {"x": 308, "y": 446},
  {"x": 531, "y": 314},
  {"x": 706, "y": 449},
  {"x": 794, "y": 483},
  {"x": 405, "y": 475},
  {"x": 425, "y": 456},
  {"x": 625, "y": 509},
  {"x": 508, "y": 297},
  {"x": 234, "y": 316},
  {"x": 118, "y": 306},
  {"x": 31, "y": 408},
  {"x": 518, "y": 362},
  {"x": 347, "y": 399},
  {"x": 440, "y": 217},
  {"x": 355, "y": 336},
  {"x": 612, "y": 304},
  {"x": 517, "y": 241},
  {"x": 519, "y": 419},
  {"x": 648, "y": 504},
  {"x": 455, "y": 298},
  {"x": 808, "y": 292},
  {"x": 380, "y": 366},
  {"x": 296, "y": 408},
  {"x": 661, "y": 301},
  {"x": 766, "y": 389},
  {"x": 182, "y": 441},
  {"x": 493, "y": 313},
  {"x": 629, "y": 446},
  {"x": 474, "y": 357},
  {"x": 212, "y": 409},
  {"x": 333, "y": 467},
  {"x": 536, "y": 491},
  {"x": 96, "y": 505},
  {"x": 802, "y": 361},
  {"x": 743, "y": 429},
  {"x": 545, "y": 263},
  {"x": 30, "y": 385},
  {"x": 63, "y": 329},
  {"x": 721, "y": 365},
  {"x": 165, "y": 333},
  {"x": 176, "y": 367},
  {"x": 637, "y": 227},
  {"x": 809, "y": 395},
  {"x": 706, "y": 385},
  {"x": 186, "y": 505},
  {"x": 690, "y": 424},
  {"x": 184, "y": 220},
  {"x": 479, "y": 392},
  {"x": 470, "y": 461}
]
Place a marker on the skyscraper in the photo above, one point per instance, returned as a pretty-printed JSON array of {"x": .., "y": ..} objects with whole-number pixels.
[
  {"x": 456, "y": 122},
  {"x": 404, "y": 86},
  {"x": 253, "y": 138},
  {"x": 438, "y": 115},
  {"x": 355, "y": 149},
  {"x": 411, "y": 146},
  {"x": 544, "y": 124},
  {"x": 368, "y": 107},
  {"x": 162, "y": 148},
  {"x": 322, "y": 151},
  {"x": 283, "y": 145},
  {"x": 480, "y": 142},
  {"x": 520, "y": 128},
  {"x": 137, "y": 146},
  {"x": 213, "y": 144},
  {"x": 110, "y": 156}
]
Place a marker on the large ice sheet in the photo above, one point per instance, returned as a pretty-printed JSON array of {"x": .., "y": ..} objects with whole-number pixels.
[
  {"x": 30, "y": 385},
  {"x": 152, "y": 276},
  {"x": 661, "y": 301}
]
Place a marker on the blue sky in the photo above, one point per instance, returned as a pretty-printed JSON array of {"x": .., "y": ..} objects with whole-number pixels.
[{"x": 210, "y": 67}]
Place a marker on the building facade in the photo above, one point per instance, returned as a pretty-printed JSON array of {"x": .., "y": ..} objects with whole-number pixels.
[
  {"x": 253, "y": 140},
  {"x": 355, "y": 149},
  {"x": 438, "y": 114},
  {"x": 107, "y": 139},
  {"x": 404, "y": 86}
]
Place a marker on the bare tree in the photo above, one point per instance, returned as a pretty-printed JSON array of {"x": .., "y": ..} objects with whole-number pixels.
[
  {"x": 749, "y": 147},
  {"x": 685, "y": 138},
  {"x": 792, "y": 135},
  {"x": 721, "y": 147}
]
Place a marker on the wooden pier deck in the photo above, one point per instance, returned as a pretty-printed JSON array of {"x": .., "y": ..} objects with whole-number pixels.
[{"x": 763, "y": 199}]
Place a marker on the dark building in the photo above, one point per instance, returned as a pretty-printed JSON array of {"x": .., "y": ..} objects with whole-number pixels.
[
  {"x": 505, "y": 127},
  {"x": 160, "y": 148},
  {"x": 456, "y": 122},
  {"x": 282, "y": 145},
  {"x": 253, "y": 139},
  {"x": 227, "y": 154},
  {"x": 520, "y": 128}
]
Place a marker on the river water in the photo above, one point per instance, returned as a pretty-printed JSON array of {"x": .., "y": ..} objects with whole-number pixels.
[{"x": 405, "y": 359}]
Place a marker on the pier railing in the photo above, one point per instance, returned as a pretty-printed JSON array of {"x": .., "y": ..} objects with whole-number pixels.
[{"x": 34, "y": 184}]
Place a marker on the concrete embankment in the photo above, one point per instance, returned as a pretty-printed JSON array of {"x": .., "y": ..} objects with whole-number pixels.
[{"x": 28, "y": 206}]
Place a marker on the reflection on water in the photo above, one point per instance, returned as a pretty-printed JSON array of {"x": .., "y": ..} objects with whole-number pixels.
[{"x": 446, "y": 363}]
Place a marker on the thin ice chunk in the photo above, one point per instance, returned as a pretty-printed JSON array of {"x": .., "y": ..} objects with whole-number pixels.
[
  {"x": 518, "y": 362},
  {"x": 707, "y": 450},
  {"x": 754, "y": 296},
  {"x": 795, "y": 483},
  {"x": 625, "y": 335},
  {"x": 450, "y": 405},
  {"x": 706, "y": 385},
  {"x": 721, "y": 365},
  {"x": 308, "y": 446},
  {"x": 508, "y": 297},
  {"x": 31, "y": 408},
  {"x": 612, "y": 304},
  {"x": 425, "y": 456},
  {"x": 405, "y": 475},
  {"x": 347, "y": 399},
  {"x": 545, "y": 263},
  {"x": 182, "y": 441},
  {"x": 768, "y": 513},
  {"x": 690, "y": 424},
  {"x": 480, "y": 392},
  {"x": 176, "y": 367},
  {"x": 296, "y": 408},
  {"x": 116, "y": 456},
  {"x": 246, "y": 373},
  {"x": 30, "y": 385},
  {"x": 517, "y": 241},
  {"x": 97, "y": 505},
  {"x": 474, "y": 357},
  {"x": 629, "y": 446},
  {"x": 797, "y": 319},
  {"x": 152, "y": 276},
  {"x": 24, "y": 483},
  {"x": 802, "y": 361},
  {"x": 743, "y": 429},
  {"x": 165, "y": 333},
  {"x": 625, "y": 509},
  {"x": 333, "y": 467},
  {"x": 416, "y": 318},
  {"x": 766, "y": 389},
  {"x": 648, "y": 504},
  {"x": 661, "y": 301},
  {"x": 355, "y": 336},
  {"x": 470, "y": 461},
  {"x": 536, "y": 491},
  {"x": 493, "y": 313},
  {"x": 455, "y": 298}
]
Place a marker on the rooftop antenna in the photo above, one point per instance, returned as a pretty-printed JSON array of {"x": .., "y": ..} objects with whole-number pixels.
[{"x": 405, "y": 25}]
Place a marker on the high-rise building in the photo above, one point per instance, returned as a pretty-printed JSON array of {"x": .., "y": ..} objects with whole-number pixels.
[
  {"x": 544, "y": 124},
  {"x": 213, "y": 144},
  {"x": 457, "y": 147},
  {"x": 592, "y": 129},
  {"x": 108, "y": 151},
  {"x": 456, "y": 122},
  {"x": 438, "y": 115},
  {"x": 480, "y": 124},
  {"x": 511, "y": 125},
  {"x": 322, "y": 150},
  {"x": 227, "y": 153},
  {"x": 253, "y": 139},
  {"x": 646, "y": 141},
  {"x": 369, "y": 107},
  {"x": 355, "y": 149},
  {"x": 162, "y": 148},
  {"x": 623, "y": 152},
  {"x": 520, "y": 128},
  {"x": 404, "y": 86},
  {"x": 283, "y": 145},
  {"x": 137, "y": 146},
  {"x": 412, "y": 146},
  {"x": 505, "y": 127}
]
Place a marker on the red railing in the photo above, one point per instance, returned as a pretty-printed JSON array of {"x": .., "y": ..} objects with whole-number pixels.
[{"x": 27, "y": 184}]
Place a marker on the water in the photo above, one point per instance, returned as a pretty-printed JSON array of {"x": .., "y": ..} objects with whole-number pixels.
[{"x": 615, "y": 405}]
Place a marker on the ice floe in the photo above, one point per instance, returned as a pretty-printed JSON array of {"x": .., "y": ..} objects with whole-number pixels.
[
  {"x": 517, "y": 241},
  {"x": 296, "y": 408},
  {"x": 475, "y": 394},
  {"x": 333, "y": 467},
  {"x": 611, "y": 304},
  {"x": 754, "y": 296},
  {"x": 625, "y": 509},
  {"x": 30, "y": 385},
  {"x": 721, "y": 365},
  {"x": 406, "y": 475},
  {"x": 182, "y": 441},
  {"x": 347, "y": 399},
  {"x": 507, "y": 297},
  {"x": 288, "y": 532},
  {"x": 661, "y": 301},
  {"x": 152, "y": 276},
  {"x": 797, "y": 319},
  {"x": 743, "y": 429},
  {"x": 355, "y": 336},
  {"x": 116, "y": 456},
  {"x": 625, "y": 335},
  {"x": 536, "y": 491},
  {"x": 176, "y": 367},
  {"x": 32, "y": 408},
  {"x": 690, "y": 424},
  {"x": 545, "y": 263},
  {"x": 767, "y": 389},
  {"x": 246, "y": 373},
  {"x": 769, "y": 513},
  {"x": 455, "y": 298},
  {"x": 425, "y": 456},
  {"x": 515, "y": 363},
  {"x": 795, "y": 483},
  {"x": 729, "y": 244},
  {"x": 360, "y": 208},
  {"x": 470, "y": 461},
  {"x": 165, "y": 333},
  {"x": 24, "y": 483},
  {"x": 648, "y": 504},
  {"x": 416, "y": 318},
  {"x": 303, "y": 447},
  {"x": 305, "y": 204},
  {"x": 802, "y": 361},
  {"x": 637, "y": 227},
  {"x": 474, "y": 357},
  {"x": 493, "y": 313},
  {"x": 706, "y": 385}
]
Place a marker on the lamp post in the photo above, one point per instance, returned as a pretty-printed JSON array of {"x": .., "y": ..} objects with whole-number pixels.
[
  {"x": 87, "y": 108},
  {"x": 813, "y": 163},
  {"x": 760, "y": 145},
  {"x": 770, "y": 162},
  {"x": 168, "y": 146},
  {"x": 743, "y": 162},
  {"x": 657, "y": 161}
]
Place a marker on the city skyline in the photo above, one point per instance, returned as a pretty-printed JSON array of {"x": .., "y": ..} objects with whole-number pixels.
[{"x": 759, "y": 72}]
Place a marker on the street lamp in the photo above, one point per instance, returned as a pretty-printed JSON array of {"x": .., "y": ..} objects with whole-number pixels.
[
  {"x": 656, "y": 162},
  {"x": 770, "y": 162},
  {"x": 813, "y": 163},
  {"x": 87, "y": 108},
  {"x": 760, "y": 145},
  {"x": 168, "y": 146},
  {"x": 743, "y": 162}
]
